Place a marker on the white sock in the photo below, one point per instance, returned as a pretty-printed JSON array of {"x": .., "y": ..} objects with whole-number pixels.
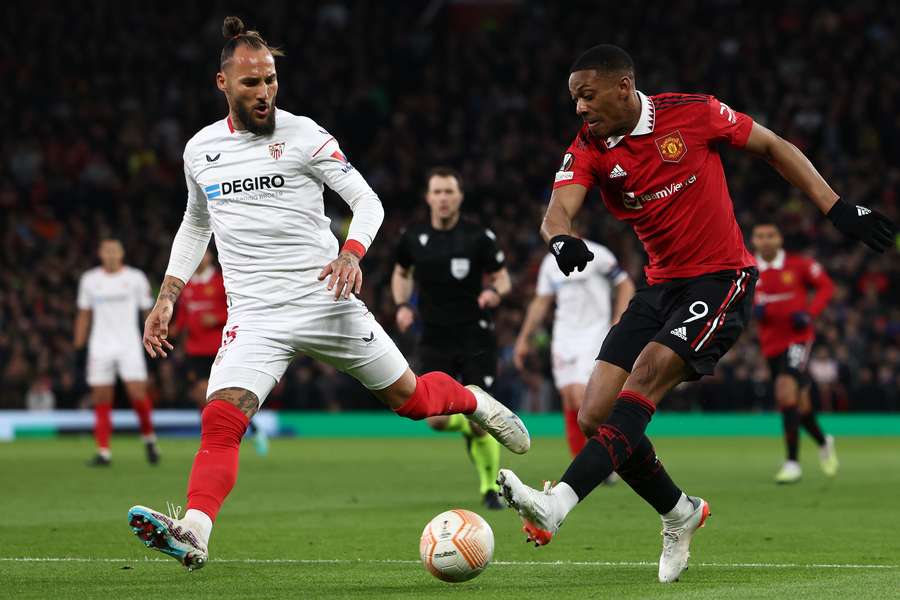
[
  {"x": 566, "y": 496},
  {"x": 792, "y": 463},
  {"x": 682, "y": 509},
  {"x": 105, "y": 453},
  {"x": 149, "y": 438},
  {"x": 201, "y": 522}
]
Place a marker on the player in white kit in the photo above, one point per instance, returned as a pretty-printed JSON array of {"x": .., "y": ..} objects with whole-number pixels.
[
  {"x": 111, "y": 298},
  {"x": 588, "y": 303},
  {"x": 255, "y": 180}
]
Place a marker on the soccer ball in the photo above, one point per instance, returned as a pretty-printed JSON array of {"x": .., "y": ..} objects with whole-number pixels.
[{"x": 456, "y": 545}]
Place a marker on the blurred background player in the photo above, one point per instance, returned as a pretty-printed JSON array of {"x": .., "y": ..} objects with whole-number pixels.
[
  {"x": 111, "y": 299},
  {"x": 199, "y": 317},
  {"x": 784, "y": 313},
  {"x": 450, "y": 258},
  {"x": 588, "y": 303}
]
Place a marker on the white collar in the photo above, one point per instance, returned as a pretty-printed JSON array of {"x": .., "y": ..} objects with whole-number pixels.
[
  {"x": 645, "y": 122},
  {"x": 777, "y": 262}
]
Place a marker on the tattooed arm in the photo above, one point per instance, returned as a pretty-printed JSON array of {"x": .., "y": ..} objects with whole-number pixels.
[{"x": 156, "y": 327}]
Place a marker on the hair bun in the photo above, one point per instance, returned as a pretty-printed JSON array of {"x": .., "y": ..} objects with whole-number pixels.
[{"x": 232, "y": 26}]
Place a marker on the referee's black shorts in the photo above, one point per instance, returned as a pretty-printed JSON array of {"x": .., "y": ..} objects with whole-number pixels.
[
  {"x": 699, "y": 318},
  {"x": 466, "y": 352}
]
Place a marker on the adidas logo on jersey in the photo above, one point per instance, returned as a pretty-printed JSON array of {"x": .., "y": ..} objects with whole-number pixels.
[
  {"x": 680, "y": 333},
  {"x": 862, "y": 211},
  {"x": 557, "y": 247},
  {"x": 617, "y": 172}
]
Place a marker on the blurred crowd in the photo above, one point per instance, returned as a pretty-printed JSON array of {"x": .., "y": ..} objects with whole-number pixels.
[{"x": 98, "y": 118}]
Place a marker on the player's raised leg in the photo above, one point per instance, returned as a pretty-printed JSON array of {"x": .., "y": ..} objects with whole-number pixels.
[{"x": 436, "y": 393}]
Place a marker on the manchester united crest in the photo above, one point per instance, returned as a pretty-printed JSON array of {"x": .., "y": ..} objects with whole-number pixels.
[
  {"x": 671, "y": 147},
  {"x": 276, "y": 150}
]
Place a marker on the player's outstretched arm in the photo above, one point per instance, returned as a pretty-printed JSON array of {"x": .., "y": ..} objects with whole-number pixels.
[
  {"x": 570, "y": 252},
  {"x": 857, "y": 222},
  {"x": 156, "y": 327}
]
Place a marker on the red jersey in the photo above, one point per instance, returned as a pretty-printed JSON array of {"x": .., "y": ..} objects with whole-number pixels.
[
  {"x": 202, "y": 312},
  {"x": 665, "y": 178},
  {"x": 783, "y": 288}
]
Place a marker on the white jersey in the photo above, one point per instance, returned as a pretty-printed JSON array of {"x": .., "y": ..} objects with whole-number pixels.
[
  {"x": 115, "y": 300},
  {"x": 261, "y": 195},
  {"x": 584, "y": 298}
]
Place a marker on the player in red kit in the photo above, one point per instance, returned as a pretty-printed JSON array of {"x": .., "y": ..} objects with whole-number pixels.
[
  {"x": 655, "y": 160},
  {"x": 200, "y": 315},
  {"x": 784, "y": 313}
]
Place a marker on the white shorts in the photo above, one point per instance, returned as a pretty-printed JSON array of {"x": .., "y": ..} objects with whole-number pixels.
[
  {"x": 258, "y": 344},
  {"x": 129, "y": 364},
  {"x": 574, "y": 366}
]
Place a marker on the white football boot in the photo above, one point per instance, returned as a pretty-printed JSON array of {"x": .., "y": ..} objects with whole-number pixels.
[
  {"x": 542, "y": 512},
  {"x": 677, "y": 534},
  {"x": 503, "y": 424},
  {"x": 828, "y": 457},
  {"x": 790, "y": 472},
  {"x": 170, "y": 536}
]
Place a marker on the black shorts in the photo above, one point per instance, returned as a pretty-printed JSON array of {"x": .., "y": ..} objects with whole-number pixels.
[
  {"x": 469, "y": 355},
  {"x": 699, "y": 318},
  {"x": 197, "y": 368},
  {"x": 793, "y": 362}
]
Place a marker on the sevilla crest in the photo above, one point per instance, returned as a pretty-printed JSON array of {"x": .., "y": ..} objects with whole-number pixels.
[{"x": 276, "y": 150}]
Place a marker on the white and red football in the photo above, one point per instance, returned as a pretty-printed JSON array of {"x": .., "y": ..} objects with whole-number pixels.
[{"x": 456, "y": 545}]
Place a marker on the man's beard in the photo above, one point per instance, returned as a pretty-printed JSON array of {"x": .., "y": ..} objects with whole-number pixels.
[{"x": 264, "y": 128}]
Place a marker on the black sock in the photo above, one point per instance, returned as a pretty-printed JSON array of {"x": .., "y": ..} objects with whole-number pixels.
[
  {"x": 811, "y": 425},
  {"x": 791, "y": 420},
  {"x": 648, "y": 478},
  {"x": 613, "y": 444}
]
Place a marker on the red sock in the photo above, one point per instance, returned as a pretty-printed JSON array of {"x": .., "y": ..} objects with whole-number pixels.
[
  {"x": 102, "y": 424},
  {"x": 222, "y": 425},
  {"x": 574, "y": 435},
  {"x": 144, "y": 409},
  {"x": 437, "y": 394}
]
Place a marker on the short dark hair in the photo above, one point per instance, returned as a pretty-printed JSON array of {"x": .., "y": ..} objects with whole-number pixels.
[
  {"x": 605, "y": 58},
  {"x": 766, "y": 223},
  {"x": 235, "y": 33},
  {"x": 444, "y": 171}
]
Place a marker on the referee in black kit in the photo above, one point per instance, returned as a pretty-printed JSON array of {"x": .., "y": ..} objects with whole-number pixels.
[{"x": 450, "y": 258}]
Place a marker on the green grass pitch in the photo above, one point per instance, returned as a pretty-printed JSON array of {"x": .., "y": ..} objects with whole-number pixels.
[{"x": 341, "y": 518}]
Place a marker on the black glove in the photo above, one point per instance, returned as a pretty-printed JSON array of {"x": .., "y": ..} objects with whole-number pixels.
[
  {"x": 863, "y": 224},
  {"x": 801, "y": 320},
  {"x": 570, "y": 252},
  {"x": 759, "y": 312}
]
